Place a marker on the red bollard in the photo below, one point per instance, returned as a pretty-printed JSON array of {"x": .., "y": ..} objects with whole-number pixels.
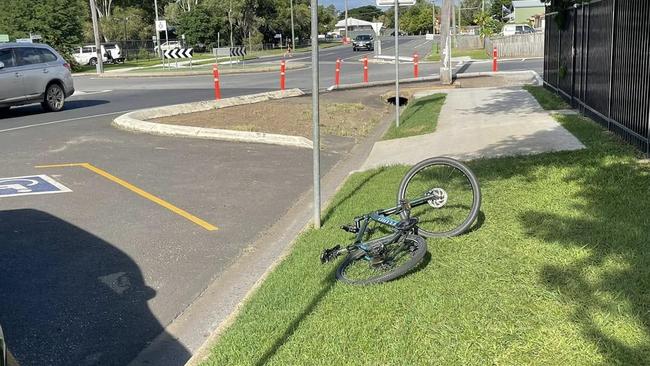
[
  {"x": 337, "y": 74},
  {"x": 416, "y": 69},
  {"x": 365, "y": 69},
  {"x": 495, "y": 66},
  {"x": 217, "y": 86},
  {"x": 282, "y": 74}
]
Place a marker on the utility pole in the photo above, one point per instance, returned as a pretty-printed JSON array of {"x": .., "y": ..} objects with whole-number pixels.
[
  {"x": 397, "y": 63},
  {"x": 346, "y": 20},
  {"x": 445, "y": 43},
  {"x": 98, "y": 46},
  {"x": 433, "y": 7},
  {"x": 315, "y": 117},
  {"x": 293, "y": 35},
  {"x": 453, "y": 24},
  {"x": 155, "y": 7}
]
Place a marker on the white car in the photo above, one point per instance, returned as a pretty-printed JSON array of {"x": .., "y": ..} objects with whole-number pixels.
[
  {"x": 169, "y": 45},
  {"x": 512, "y": 29},
  {"x": 87, "y": 55}
]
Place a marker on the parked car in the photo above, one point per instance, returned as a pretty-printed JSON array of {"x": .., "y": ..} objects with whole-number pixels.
[
  {"x": 87, "y": 55},
  {"x": 31, "y": 73},
  {"x": 169, "y": 45},
  {"x": 364, "y": 41},
  {"x": 512, "y": 29}
]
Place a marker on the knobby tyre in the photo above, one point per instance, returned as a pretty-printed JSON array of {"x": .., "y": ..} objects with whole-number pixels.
[
  {"x": 457, "y": 192},
  {"x": 358, "y": 269}
]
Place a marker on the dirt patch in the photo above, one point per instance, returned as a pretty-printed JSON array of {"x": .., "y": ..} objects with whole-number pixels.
[{"x": 344, "y": 113}]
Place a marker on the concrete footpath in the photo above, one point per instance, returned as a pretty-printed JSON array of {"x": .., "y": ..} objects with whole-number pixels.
[{"x": 480, "y": 123}]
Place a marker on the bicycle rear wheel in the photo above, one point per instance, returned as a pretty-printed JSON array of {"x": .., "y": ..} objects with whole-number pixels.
[
  {"x": 358, "y": 268},
  {"x": 456, "y": 196}
]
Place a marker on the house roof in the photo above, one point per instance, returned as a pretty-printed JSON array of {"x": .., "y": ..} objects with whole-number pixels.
[
  {"x": 527, "y": 4},
  {"x": 352, "y": 22}
]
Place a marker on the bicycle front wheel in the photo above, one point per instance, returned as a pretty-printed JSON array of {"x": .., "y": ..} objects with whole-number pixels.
[
  {"x": 360, "y": 268},
  {"x": 455, "y": 196}
]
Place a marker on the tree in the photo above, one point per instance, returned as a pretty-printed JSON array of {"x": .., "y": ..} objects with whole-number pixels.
[
  {"x": 199, "y": 26},
  {"x": 326, "y": 18},
  {"x": 128, "y": 22},
  {"x": 496, "y": 10},
  {"x": 489, "y": 25},
  {"x": 470, "y": 10},
  {"x": 368, "y": 13},
  {"x": 59, "y": 22}
]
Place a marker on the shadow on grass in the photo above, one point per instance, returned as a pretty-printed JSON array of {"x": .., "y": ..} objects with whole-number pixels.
[
  {"x": 327, "y": 285},
  {"x": 337, "y": 204},
  {"x": 607, "y": 285}
]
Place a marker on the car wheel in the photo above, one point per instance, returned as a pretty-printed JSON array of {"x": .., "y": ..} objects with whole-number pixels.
[
  {"x": 54, "y": 98},
  {"x": 92, "y": 62}
]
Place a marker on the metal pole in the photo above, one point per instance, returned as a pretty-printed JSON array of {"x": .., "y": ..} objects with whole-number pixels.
[
  {"x": 293, "y": 35},
  {"x": 433, "y": 6},
  {"x": 155, "y": 6},
  {"x": 397, "y": 63},
  {"x": 445, "y": 42},
  {"x": 315, "y": 109},
  {"x": 98, "y": 46},
  {"x": 346, "y": 20}
]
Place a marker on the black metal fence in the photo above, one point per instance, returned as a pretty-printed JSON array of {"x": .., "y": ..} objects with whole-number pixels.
[{"x": 597, "y": 56}]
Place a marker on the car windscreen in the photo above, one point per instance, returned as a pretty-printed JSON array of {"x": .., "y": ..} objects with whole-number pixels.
[{"x": 363, "y": 38}]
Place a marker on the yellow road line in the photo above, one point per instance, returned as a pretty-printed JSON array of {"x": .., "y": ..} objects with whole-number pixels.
[{"x": 138, "y": 191}]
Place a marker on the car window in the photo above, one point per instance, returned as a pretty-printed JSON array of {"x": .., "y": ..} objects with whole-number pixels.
[
  {"x": 87, "y": 49},
  {"x": 520, "y": 28},
  {"x": 27, "y": 56},
  {"x": 47, "y": 56},
  {"x": 7, "y": 57}
]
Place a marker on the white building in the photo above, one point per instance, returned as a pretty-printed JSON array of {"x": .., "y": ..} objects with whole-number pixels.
[{"x": 357, "y": 25}]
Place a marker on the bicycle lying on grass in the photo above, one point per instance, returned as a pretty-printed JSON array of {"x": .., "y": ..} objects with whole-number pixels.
[{"x": 438, "y": 197}]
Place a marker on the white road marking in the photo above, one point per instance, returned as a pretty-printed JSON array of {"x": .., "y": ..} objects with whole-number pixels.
[
  {"x": 63, "y": 121},
  {"x": 81, "y": 92}
]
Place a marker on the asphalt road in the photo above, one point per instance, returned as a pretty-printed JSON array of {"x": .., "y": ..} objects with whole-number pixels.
[{"x": 92, "y": 275}]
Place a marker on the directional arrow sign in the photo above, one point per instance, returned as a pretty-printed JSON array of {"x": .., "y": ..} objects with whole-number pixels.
[{"x": 179, "y": 53}]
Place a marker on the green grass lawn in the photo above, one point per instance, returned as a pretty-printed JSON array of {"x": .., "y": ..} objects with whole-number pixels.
[
  {"x": 477, "y": 54},
  {"x": 547, "y": 99},
  {"x": 556, "y": 272},
  {"x": 419, "y": 117}
]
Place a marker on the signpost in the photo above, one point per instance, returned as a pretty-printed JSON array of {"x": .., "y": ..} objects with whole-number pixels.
[
  {"x": 396, "y": 5},
  {"x": 161, "y": 26}
]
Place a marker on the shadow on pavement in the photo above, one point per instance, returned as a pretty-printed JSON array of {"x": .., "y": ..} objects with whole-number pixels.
[
  {"x": 36, "y": 108},
  {"x": 68, "y": 297}
]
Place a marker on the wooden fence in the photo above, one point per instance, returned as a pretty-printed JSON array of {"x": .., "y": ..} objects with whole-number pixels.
[{"x": 520, "y": 45}]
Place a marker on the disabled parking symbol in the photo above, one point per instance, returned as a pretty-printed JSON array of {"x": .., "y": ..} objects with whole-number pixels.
[{"x": 29, "y": 185}]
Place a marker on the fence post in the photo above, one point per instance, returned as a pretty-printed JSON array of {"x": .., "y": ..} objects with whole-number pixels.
[
  {"x": 217, "y": 85},
  {"x": 282, "y": 74},
  {"x": 573, "y": 54},
  {"x": 611, "y": 65}
]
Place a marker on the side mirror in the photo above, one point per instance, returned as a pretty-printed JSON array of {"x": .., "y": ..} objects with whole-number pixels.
[{"x": 2, "y": 65}]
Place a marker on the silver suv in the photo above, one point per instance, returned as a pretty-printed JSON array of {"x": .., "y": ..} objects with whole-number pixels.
[{"x": 31, "y": 73}]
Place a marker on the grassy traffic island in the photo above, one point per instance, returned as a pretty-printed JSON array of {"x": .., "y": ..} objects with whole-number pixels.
[
  {"x": 555, "y": 272},
  {"x": 420, "y": 117},
  {"x": 474, "y": 54}
]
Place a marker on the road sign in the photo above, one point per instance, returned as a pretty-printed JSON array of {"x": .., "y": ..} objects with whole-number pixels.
[
  {"x": 161, "y": 25},
  {"x": 28, "y": 185},
  {"x": 221, "y": 51},
  {"x": 238, "y": 51},
  {"x": 180, "y": 53},
  {"x": 392, "y": 2},
  {"x": 4, "y": 38}
]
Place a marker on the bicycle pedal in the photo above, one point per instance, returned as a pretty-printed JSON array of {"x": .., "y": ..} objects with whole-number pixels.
[
  {"x": 329, "y": 254},
  {"x": 350, "y": 229}
]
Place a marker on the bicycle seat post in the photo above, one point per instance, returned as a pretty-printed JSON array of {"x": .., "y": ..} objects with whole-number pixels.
[{"x": 406, "y": 208}]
